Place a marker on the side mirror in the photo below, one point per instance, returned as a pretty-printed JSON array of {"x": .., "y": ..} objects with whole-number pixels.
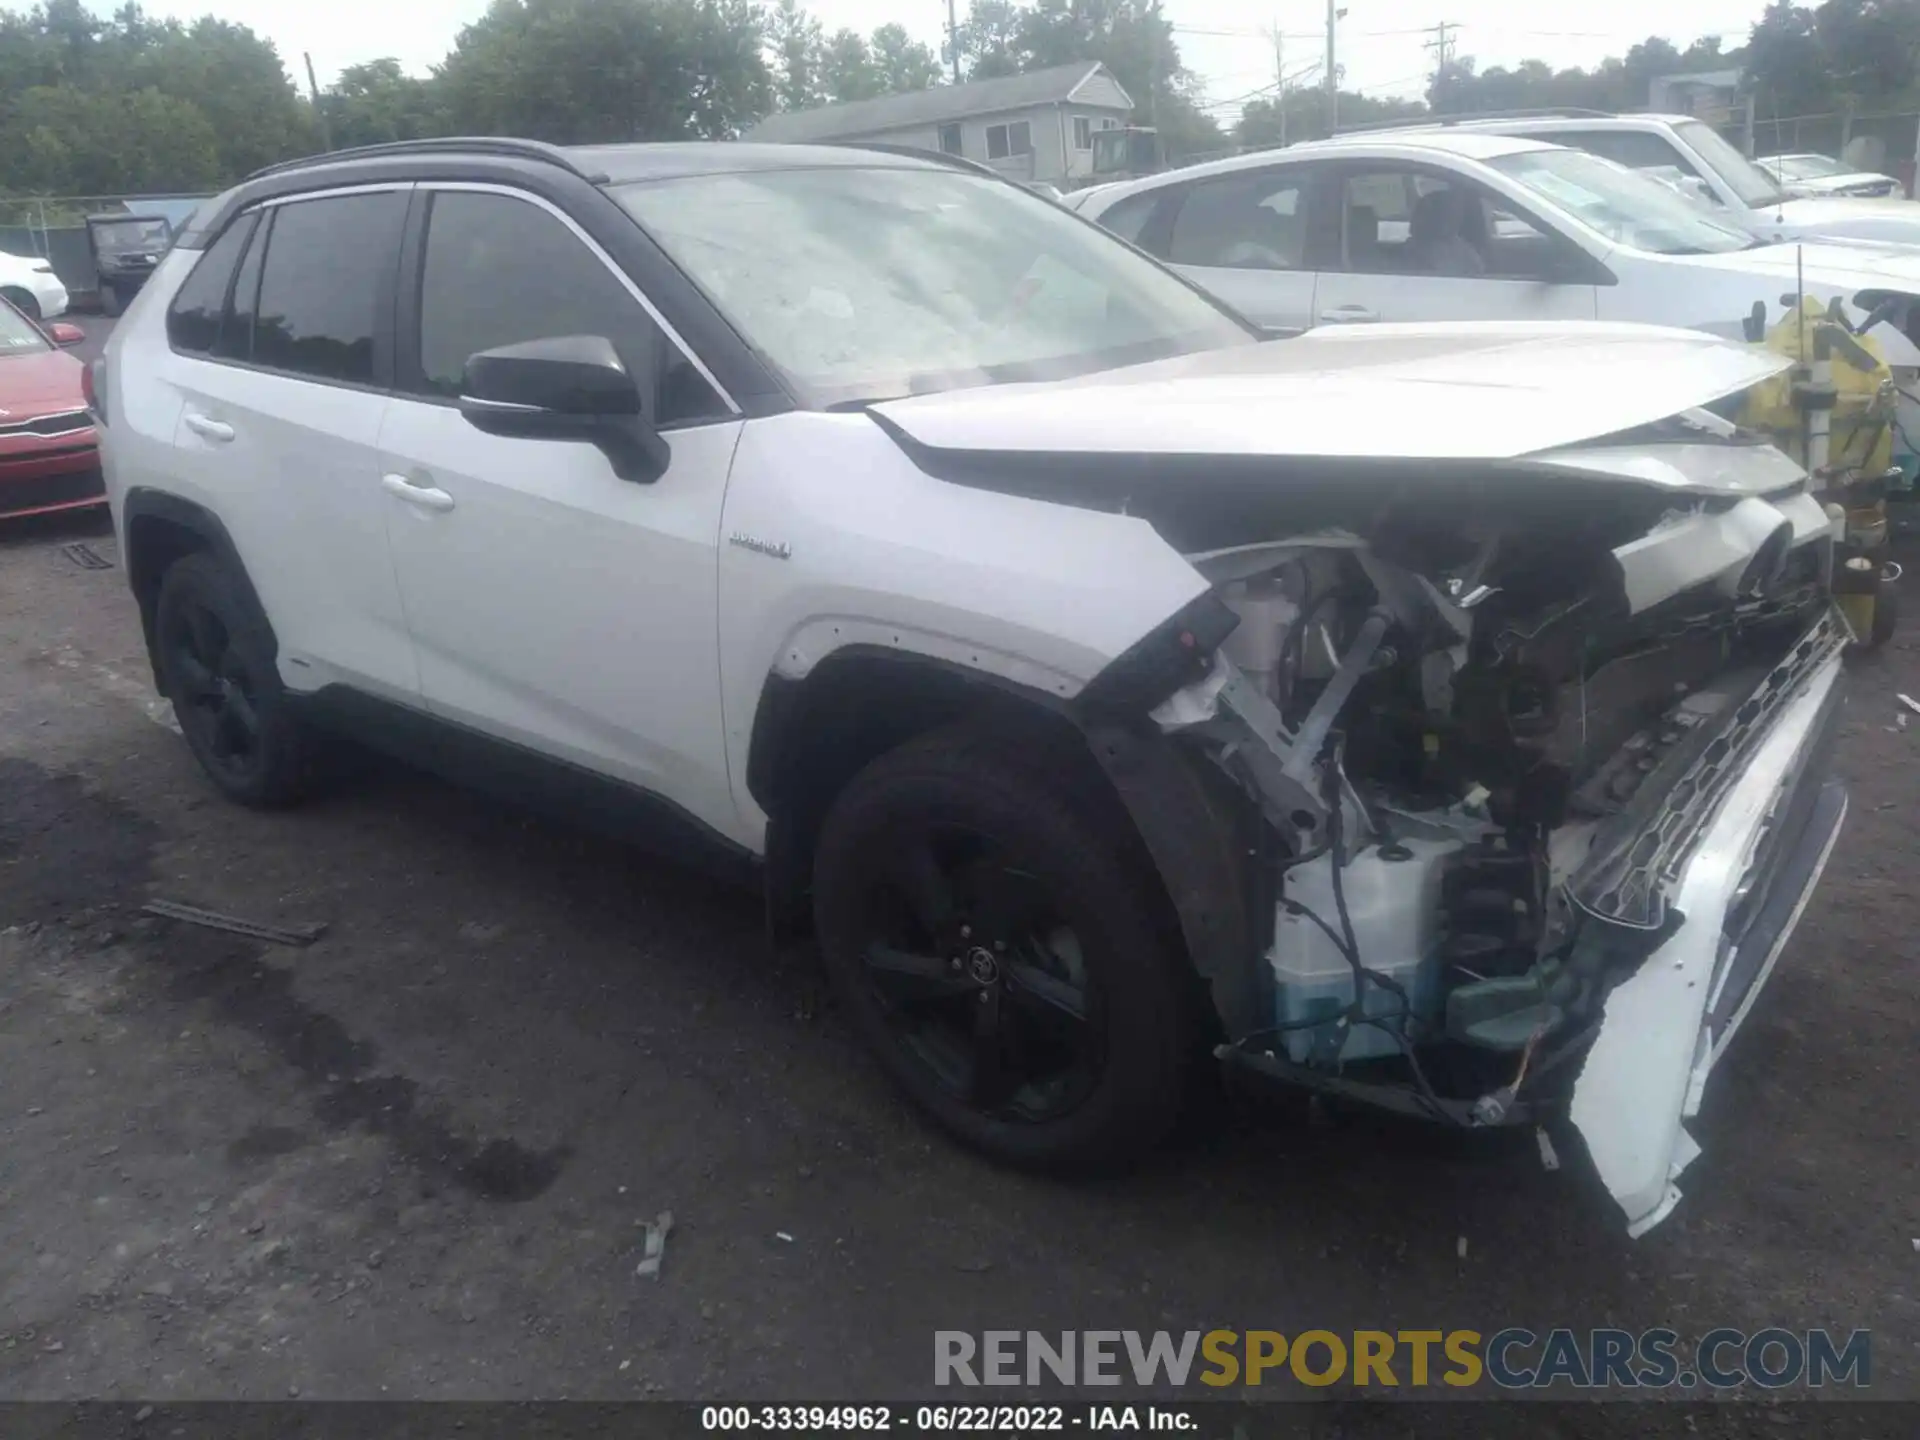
[
  {"x": 570, "y": 387},
  {"x": 63, "y": 334}
]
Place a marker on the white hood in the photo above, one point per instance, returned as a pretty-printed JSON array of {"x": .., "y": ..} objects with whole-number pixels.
[
  {"x": 1836, "y": 185},
  {"x": 1850, "y": 216},
  {"x": 1845, "y": 267},
  {"x": 1483, "y": 391}
]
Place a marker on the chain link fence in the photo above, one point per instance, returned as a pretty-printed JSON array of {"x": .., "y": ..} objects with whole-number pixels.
[{"x": 54, "y": 228}]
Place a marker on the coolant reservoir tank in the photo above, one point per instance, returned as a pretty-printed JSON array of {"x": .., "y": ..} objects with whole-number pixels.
[{"x": 1266, "y": 613}]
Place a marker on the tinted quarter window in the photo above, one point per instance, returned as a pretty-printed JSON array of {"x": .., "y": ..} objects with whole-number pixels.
[
  {"x": 500, "y": 271},
  {"x": 193, "y": 320},
  {"x": 326, "y": 266}
]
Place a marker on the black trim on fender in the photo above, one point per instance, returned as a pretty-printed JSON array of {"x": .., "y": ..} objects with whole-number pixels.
[
  {"x": 524, "y": 777},
  {"x": 144, "y": 504},
  {"x": 1199, "y": 832},
  {"x": 1173, "y": 655}
]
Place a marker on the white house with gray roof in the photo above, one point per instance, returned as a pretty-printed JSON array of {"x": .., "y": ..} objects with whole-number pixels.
[{"x": 1036, "y": 126}]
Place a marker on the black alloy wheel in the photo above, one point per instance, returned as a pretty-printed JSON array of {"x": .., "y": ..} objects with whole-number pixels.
[
  {"x": 216, "y": 660},
  {"x": 987, "y": 920},
  {"x": 213, "y": 689},
  {"x": 982, "y": 978}
]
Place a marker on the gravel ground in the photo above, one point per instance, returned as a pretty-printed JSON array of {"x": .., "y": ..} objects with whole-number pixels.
[{"x": 415, "y": 1159}]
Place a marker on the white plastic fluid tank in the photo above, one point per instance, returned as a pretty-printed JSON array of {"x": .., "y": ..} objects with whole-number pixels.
[
  {"x": 1266, "y": 615},
  {"x": 1395, "y": 908}
]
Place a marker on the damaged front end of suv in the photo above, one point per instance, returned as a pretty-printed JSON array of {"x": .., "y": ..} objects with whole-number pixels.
[
  {"x": 1536, "y": 750},
  {"x": 1548, "y": 797}
]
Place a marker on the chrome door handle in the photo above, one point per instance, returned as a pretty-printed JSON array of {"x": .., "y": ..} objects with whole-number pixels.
[
  {"x": 1348, "y": 315},
  {"x": 207, "y": 428},
  {"x": 427, "y": 497}
]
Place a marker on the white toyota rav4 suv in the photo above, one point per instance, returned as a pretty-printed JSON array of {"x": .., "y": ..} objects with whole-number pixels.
[{"x": 1432, "y": 717}]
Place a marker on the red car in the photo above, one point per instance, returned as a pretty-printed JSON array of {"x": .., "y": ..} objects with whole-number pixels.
[{"x": 49, "y": 458}]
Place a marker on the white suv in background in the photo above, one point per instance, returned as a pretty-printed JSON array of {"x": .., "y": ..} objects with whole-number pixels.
[
  {"x": 1462, "y": 224},
  {"x": 1711, "y": 167},
  {"x": 1110, "y": 690},
  {"x": 29, "y": 283}
]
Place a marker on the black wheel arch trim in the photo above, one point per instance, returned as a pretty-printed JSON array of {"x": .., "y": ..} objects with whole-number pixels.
[
  {"x": 142, "y": 503},
  {"x": 1215, "y": 857},
  {"x": 1214, "y": 853}
]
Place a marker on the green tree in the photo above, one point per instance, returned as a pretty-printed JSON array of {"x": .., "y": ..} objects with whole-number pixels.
[
  {"x": 1259, "y": 124},
  {"x": 231, "y": 76},
  {"x": 797, "y": 43},
  {"x": 991, "y": 42},
  {"x": 63, "y": 140},
  {"x": 581, "y": 71},
  {"x": 903, "y": 62},
  {"x": 846, "y": 68},
  {"x": 378, "y": 102}
]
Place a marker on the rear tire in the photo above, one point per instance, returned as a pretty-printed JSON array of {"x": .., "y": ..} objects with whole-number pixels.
[
  {"x": 216, "y": 665},
  {"x": 989, "y": 930},
  {"x": 24, "y": 302},
  {"x": 110, "y": 305}
]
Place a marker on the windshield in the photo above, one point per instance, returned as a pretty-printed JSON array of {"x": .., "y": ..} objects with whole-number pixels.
[
  {"x": 130, "y": 234},
  {"x": 19, "y": 335},
  {"x": 1747, "y": 180},
  {"x": 864, "y": 284},
  {"x": 1623, "y": 205}
]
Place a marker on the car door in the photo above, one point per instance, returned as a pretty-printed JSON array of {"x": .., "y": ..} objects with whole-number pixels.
[
  {"x": 1245, "y": 237},
  {"x": 282, "y": 364},
  {"x": 553, "y": 604},
  {"x": 1483, "y": 259}
]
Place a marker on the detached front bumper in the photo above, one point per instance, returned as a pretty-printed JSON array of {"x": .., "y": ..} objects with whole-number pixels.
[{"x": 1738, "y": 895}]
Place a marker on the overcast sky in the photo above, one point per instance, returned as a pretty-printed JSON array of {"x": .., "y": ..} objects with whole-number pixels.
[{"x": 1225, "y": 42}]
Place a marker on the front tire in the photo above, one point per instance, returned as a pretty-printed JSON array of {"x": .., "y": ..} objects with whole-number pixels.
[
  {"x": 110, "y": 304},
  {"x": 987, "y": 924},
  {"x": 25, "y": 302},
  {"x": 216, "y": 664}
]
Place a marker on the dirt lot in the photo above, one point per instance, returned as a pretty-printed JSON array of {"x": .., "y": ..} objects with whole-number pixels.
[{"x": 415, "y": 1159}]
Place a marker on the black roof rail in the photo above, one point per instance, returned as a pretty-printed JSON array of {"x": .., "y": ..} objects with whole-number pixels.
[
  {"x": 919, "y": 152},
  {"x": 496, "y": 145}
]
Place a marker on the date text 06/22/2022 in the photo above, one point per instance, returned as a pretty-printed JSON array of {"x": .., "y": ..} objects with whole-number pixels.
[{"x": 1513, "y": 1358}]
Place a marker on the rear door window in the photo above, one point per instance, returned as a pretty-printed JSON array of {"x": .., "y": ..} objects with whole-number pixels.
[
  {"x": 329, "y": 262},
  {"x": 1255, "y": 221}
]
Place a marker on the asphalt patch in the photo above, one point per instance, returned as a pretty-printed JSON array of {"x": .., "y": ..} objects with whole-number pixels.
[
  {"x": 66, "y": 851},
  {"x": 234, "y": 976}
]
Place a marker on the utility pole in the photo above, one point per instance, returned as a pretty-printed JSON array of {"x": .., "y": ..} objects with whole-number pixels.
[
  {"x": 953, "y": 39},
  {"x": 1333, "y": 71},
  {"x": 319, "y": 110},
  {"x": 1280, "y": 78},
  {"x": 1442, "y": 46}
]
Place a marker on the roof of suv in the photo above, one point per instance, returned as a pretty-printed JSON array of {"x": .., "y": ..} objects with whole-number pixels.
[
  {"x": 534, "y": 159},
  {"x": 1387, "y": 144},
  {"x": 1528, "y": 124}
]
